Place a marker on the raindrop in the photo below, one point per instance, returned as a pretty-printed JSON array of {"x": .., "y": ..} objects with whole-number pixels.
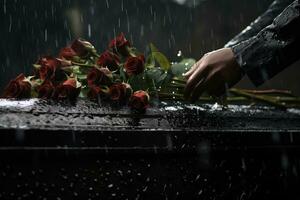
[
  {"x": 284, "y": 161},
  {"x": 120, "y": 172},
  {"x": 142, "y": 31},
  {"x": 46, "y": 35},
  {"x": 10, "y": 23},
  {"x": 242, "y": 195},
  {"x": 145, "y": 189},
  {"x": 179, "y": 54},
  {"x": 243, "y": 164},
  {"x": 89, "y": 30},
  {"x": 200, "y": 192},
  {"x": 197, "y": 178},
  {"x": 107, "y": 4},
  {"x": 122, "y": 5},
  {"x": 4, "y": 7}
]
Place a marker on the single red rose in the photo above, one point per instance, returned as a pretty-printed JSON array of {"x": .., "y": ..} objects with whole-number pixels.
[
  {"x": 109, "y": 60},
  {"x": 67, "y": 53},
  {"x": 49, "y": 68},
  {"x": 139, "y": 100},
  {"x": 82, "y": 48},
  {"x": 67, "y": 90},
  {"x": 18, "y": 88},
  {"x": 96, "y": 92},
  {"x": 99, "y": 77},
  {"x": 120, "y": 92},
  {"x": 135, "y": 65},
  {"x": 46, "y": 90},
  {"x": 120, "y": 45}
]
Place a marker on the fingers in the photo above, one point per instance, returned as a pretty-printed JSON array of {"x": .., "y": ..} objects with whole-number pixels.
[
  {"x": 193, "y": 80},
  {"x": 198, "y": 91},
  {"x": 211, "y": 83},
  {"x": 192, "y": 70}
]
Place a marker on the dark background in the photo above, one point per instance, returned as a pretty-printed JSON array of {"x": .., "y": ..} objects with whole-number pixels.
[{"x": 30, "y": 28}]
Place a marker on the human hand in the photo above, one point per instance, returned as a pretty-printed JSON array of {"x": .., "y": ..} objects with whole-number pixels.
[{"x": 213, "y": 73}]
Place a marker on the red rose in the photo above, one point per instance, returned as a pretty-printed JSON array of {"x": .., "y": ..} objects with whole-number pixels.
[
  {"x": 49, "y": 68},
  {"x": 96, "y": 92},
  {"x": 99, "y": 77},
  {"x": 139, "y": 100},
  {"x": 67, "y": 90},
  {"x": 120, "y": 44},
  {"x": 120, "y": 92},
  {"x": 46, "y": 90},
  {"x": 67, "y": 53},
  {"x": 135, "y": 65},
  {"x": 82, "y": 48},
  {"x": 109, "y": 60},
  {"x": 18, "y": 88}
]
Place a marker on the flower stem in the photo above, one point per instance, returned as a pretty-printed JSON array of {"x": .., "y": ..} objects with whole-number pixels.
[
  {"x": 263, "y": 99},
  {"x": 269, "y": 92},
  {"x": 178, "y": 80},
  {"x": 82, "y": 65}
]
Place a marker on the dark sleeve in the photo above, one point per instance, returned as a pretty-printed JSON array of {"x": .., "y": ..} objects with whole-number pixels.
[
  {"x": 261, "y": 22},
  {"x": 273, "y": 48}
]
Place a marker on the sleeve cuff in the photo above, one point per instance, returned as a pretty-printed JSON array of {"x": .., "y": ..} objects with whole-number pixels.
[{"x": 244, "y": 55}]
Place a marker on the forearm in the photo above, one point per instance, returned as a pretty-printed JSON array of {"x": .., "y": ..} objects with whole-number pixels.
[
  {"x": 273, "y": 48},
  {"x": 261, "y": 22}
]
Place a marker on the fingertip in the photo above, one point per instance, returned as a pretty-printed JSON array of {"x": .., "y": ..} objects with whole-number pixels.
[
  {"x": 186, "y": 93},
  {"x": 198, "y": 91},
  {"x": 187, "y": 73}
]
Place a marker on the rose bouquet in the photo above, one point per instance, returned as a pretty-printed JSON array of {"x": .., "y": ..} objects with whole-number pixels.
[{"x": 121, "y": 75}]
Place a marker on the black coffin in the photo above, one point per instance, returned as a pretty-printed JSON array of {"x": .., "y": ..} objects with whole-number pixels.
[{"x": 177, "y": 151}]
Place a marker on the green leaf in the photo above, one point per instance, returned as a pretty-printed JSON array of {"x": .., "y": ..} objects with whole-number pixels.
[
  {"x": 76, "y": 70},
  {"x": 138, "y": 82},
  {"x": 81, "y": 76},
  {"x": 133, "y": 51},
  {"x": 122, "y": 74},
  {"x": 34, "y": 94},
  {"x": 36, "y": 66},
  {"x": 83, "y": 92},
  {"x": 150, "y": 62},
  {"x": 160, "y": 58},
  {"x": 157, "y": 75},
  {"x": 183, "y": 66}
]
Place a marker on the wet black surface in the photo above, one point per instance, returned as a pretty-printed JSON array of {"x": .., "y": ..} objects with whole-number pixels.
[
  {"x": 86, "y": 115},
  {"x": 177, "y": 151}
]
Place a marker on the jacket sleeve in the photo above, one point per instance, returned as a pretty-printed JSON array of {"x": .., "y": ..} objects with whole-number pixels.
[
  {"x": 261, "y": 22},
  {"x": 273, "y": 48}
]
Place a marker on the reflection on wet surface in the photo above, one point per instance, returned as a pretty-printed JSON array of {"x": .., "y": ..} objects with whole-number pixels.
[
  {"x": 6, "y": 103},
  {"x": 87, "y": 115}
]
